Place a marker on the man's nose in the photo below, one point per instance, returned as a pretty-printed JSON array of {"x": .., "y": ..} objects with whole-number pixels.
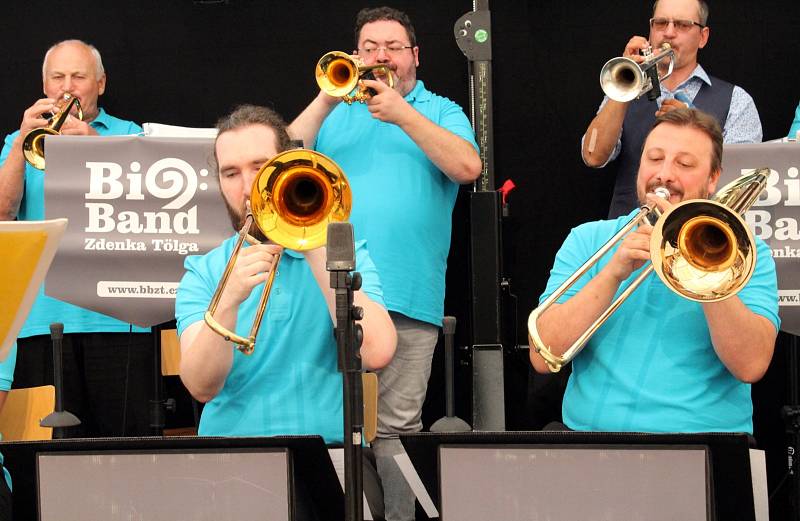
[
  {"x": 382, "y": 56},
  {"x": 670, "y": 30},
  {"x": 666, "y": 173}
]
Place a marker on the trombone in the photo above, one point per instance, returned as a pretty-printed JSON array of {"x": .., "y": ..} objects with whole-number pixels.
[
  {"x": 622, "y": 79},
  {"x": 33, "y": 144},
  {"x": 701, "y": 249},
  {"x": 294, "y": 197},
  {"x": 339, "y": 75}
]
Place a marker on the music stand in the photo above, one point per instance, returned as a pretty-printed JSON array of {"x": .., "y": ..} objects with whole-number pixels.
[
  {"x": 728, "y": 475},
  {"x": 26, "y": 250},
  {"x": 310, "y": 466}
]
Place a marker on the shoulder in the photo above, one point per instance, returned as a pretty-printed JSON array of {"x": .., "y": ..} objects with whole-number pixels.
[
  {"x": 115, "y": 125},
  {"x": 212, "y": 261}
]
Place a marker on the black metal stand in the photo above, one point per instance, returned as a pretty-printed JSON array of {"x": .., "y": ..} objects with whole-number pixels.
[
  {"x": 59, "y": 418},
  {"x": 791, "y": 417},
  {"x": 349, "y": 335},
  {"x": 450, "y": 422},
  {"x": 159, "y": 405}
]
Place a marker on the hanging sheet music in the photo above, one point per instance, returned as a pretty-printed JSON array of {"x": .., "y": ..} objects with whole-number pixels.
[
  {"x": 776, "y": 216},
  {"x": 137, "y": 206}
]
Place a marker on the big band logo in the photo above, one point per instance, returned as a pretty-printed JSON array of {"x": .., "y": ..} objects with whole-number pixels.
[
  {"x": 772, "y": 224},
  {"x": 137, "y": 207},
  {"x": 171, "y": 180}
]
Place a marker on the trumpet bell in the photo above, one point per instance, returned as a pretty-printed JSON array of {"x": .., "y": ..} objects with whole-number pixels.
[
  {"x": 33, "y": 146},
  {"x": 622, "y": 79},
  {"x": 296, "y": 195},
  {"x": 337, "y": 74},
  {"x": 703, "y": 250}
]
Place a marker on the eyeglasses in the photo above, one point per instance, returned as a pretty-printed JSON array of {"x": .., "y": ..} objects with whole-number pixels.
[
  {"x": 680, "y": 25},
  {"x": 392, "y": 50}
]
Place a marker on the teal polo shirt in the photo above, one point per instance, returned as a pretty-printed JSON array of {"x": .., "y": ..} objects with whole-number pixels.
[
  {"x": 402, "y": 203},
  {"x": 45, "y": 309},
  {"x": 290, "y": 385},
  {"x": 652, "y": 367},
  {"x": 6, "y": 379}
]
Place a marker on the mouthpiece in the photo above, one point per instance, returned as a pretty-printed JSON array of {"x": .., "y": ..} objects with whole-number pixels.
[{"x": 661, "y": 192}]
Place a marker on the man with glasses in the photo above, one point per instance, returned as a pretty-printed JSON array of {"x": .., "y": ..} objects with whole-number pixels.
[
  {"x": 619, "y": 128},
  {"x": 405, "y": 152}
]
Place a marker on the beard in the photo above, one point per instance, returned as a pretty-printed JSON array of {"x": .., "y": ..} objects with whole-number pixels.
[
  {"x": 673, "y": 191},
  {"x": 238, "y": 217}
]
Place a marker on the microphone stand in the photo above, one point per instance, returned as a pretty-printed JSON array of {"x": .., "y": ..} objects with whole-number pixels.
[
  {"x": 349, "y": 335},
  {"x": 791, "y": 418},
  {"x": 59, "y": 418}
]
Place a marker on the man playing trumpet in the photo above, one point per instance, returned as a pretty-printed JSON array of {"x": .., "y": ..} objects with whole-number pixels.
[
  {"x": 661, "y": 363},
  {"x": 619, "y": 128},
  {"x": 103, "y": 356}
]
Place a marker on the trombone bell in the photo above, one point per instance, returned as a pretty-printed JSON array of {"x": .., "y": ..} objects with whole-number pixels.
[{"x": 33, "y": 144}]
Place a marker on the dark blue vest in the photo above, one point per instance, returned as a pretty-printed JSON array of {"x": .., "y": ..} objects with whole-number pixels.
[{"x": 714, "y": 99}]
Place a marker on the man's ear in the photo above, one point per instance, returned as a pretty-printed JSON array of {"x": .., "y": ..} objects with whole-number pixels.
[
  {"x": 101, "y": 85},
  {"x": 705, "y": 33},
  {"x": 713, "y": 179}
]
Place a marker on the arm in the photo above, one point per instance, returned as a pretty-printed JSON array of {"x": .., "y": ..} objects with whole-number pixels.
[
  {"x": 796, "y": 124},
  {"x": 451, "y": 154},
  {"x": 12, "y": 171},
  {"x": 206, "y": 358},
  {"x": 744, "y": 341},
  {"x": 603, "y": 133},
  {"x": 380, "y": 338},
  {"x": 12, "y": 180},
  {"x": 562, "y": 324},
  {"x": 307, "y": 124},
  {"x": 743, "y": 124}
]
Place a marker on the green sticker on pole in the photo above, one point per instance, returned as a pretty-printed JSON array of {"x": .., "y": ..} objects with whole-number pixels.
[{"x": 481, "y": 35}]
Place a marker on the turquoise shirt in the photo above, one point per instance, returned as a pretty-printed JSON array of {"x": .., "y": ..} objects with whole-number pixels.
[
  {"x": 402, "y": 203},
  {"x": 6, "y": 379},
  {"x": 45, "y": 309},
  {"x": 652, "y": 367},
  {"x": 290, "y": 384},
  {"x": 796, "y": 124}
]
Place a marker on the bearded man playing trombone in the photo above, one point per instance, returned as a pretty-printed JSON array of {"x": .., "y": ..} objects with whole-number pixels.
[
  {"x": 290, "y": 383},
  {"x": 660, "y": 363}
]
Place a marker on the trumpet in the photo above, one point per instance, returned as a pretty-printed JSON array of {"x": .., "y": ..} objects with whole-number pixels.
[
  {"x": 294, "y": 197},
  {"x": 339, "y": 75},
  {"x": 33, "y": 144},
  {"x": 701, "y": 249},
  {"x": 622, "y": 79}
]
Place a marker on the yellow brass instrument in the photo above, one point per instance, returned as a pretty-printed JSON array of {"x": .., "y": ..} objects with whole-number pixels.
[
  {"x": 701, "y": 249},
  {"x": 33, "y": 144},
  {"x": 622, "y": 79},
  {"x": 294, "y": 197},
  {"x": 339, "y": 75}
]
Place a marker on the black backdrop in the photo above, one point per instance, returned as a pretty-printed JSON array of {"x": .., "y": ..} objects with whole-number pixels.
[{"x": 187, "y": 62}]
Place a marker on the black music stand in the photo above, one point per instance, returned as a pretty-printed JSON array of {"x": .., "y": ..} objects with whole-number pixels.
[
  {"x": 730, "y": 486},
  {"x": 310, "y": 464}
]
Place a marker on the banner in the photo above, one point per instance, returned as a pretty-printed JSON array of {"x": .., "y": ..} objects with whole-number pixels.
[
  {"x": 775, "y": 217},
  {"x": 137, "y": 206}
]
